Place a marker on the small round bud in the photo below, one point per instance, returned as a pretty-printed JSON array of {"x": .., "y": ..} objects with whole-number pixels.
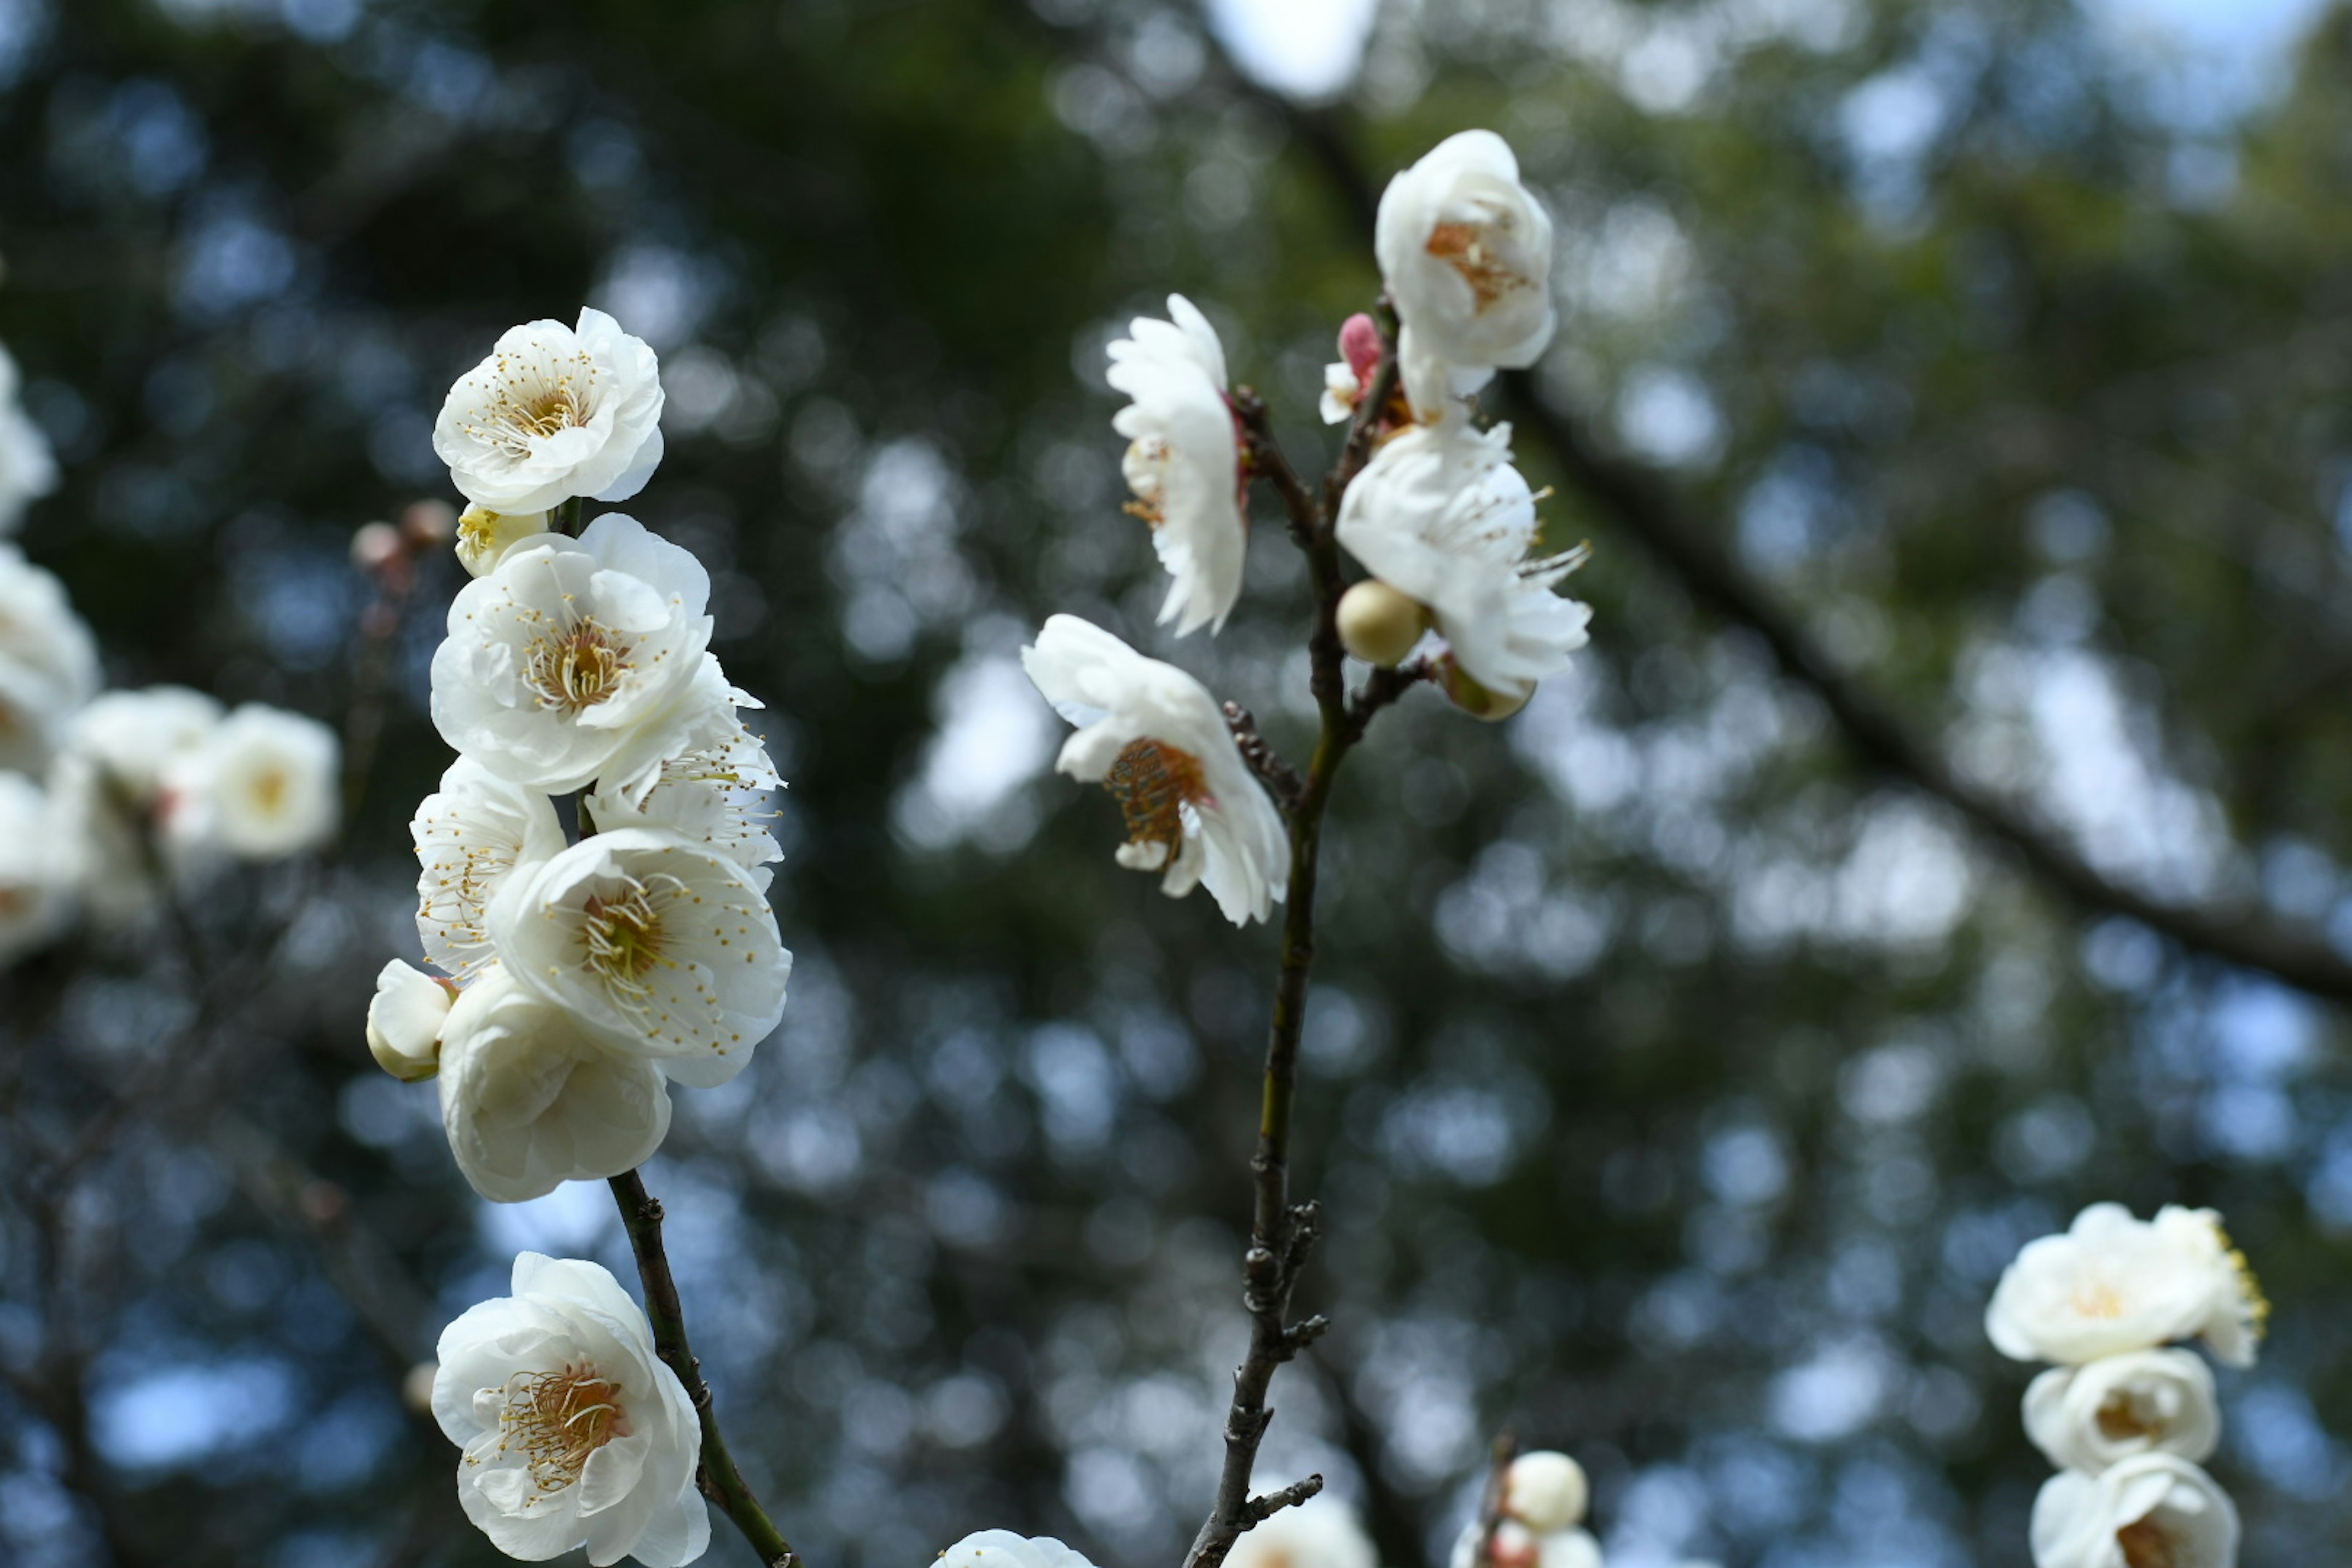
[
  {"x": 428, "y": 522},
  {"x": 1545, "y": 1490},
  {"x": 417, "y": 1387},
  {"x": 1360, "y": 345},
  {"x": 1379, "y": 625},
  {"x": 404, "y": 1021},
  {"x": 1478, "y": 701},
  {"x": 375, "y": 545}
]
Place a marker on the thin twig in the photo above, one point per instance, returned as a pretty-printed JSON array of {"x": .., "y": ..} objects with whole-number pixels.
[
  {"x": 1490, "y": 1505},
  {"x": 722, "y": 1482},
  {"x": 1281, "y": 780}
]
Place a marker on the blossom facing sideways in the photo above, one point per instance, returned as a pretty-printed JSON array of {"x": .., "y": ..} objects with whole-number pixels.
[
  {"x": 1183, "y": 460},
  {"x": 49, "y": 663},
  {"x": 27, "y": 468},
  {"x": 573, "y": 1432},
  {"x": 2152, "y": 1510},
  {"x": 1441, "y": 516},
  {"x": 265, "y": 784},
  {"x": 554, "y": 412},
  {"x": 528, "y": 1104},
  {"x": 573, "y": 658},
  {"x": 652, "y": 944},
  {"x": 1155, "y": 737},
  {"x": 2112, "y": 1284},
  {"x": 1002, "y": 1549},
  {"x": 1465, "y": 251},
  {"x": 140, "y": 737},
  {"x": 2141, "y": 1402},
  {"x": 471, "y": 836},
  {"x": 2233, "y": 1329}
]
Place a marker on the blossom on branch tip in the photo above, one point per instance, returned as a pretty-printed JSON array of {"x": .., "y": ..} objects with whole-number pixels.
[
  {"x": 529, "y": 1104},
  {"x": 49, "y": 663},
  {"x": 472, "y": 836},
  {"x": 405, "y": 1019},
  {"x": 484, "y": 537},
  {"x": 265, "y": 784},
  {"x": 555, "y": 413},
  {"x": 654, "y": 945},
  {"x": 1441, "y": 516},
  {"x": 574, "y": 1433},
  {"x": 573, "y": 657},
  {"x": 2152, "y": 1510},
  {"x": 1321, "y": 1532},
  {"x": 1465, "y": 251},
  {"x": 1156, "y": 739},
  {"x": 1183, "y": 460},
  {"x": 2112, "y": 1283},
  {"x": 2089, "y": 1418},
  {"x": 27, "y": 469},
  {"x": 1004, "y": 1549}
]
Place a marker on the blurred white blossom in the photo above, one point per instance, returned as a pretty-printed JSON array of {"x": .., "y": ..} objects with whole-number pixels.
[
  {"x": 27, "y": 469},
  {"x": 2153, "y": 1510},
  {"x": 2089, "y": 1418},
  {"x": 2113, "y": 1283}
]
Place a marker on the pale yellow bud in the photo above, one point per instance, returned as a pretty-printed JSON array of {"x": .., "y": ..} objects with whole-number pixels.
[
  {"x": 484, "y": 536},
  {"x": 374, "y": 546},
  {"x": 1379, "y": 625},
  {"x": 1545, "y": 1490},
  {"x": 404, "y": 1022}
]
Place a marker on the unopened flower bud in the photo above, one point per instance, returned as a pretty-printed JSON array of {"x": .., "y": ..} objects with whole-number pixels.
[
  {"x": 1545, "y": 1490},
  {"x": 427, "y": 522},
  {"x": 375, "y": 546},
  {"x": 417, "y": 1387},
  {"x": 404, "y": 1022},
  {"x": 1379, "y": 625},
  {"x": 1478, "y": 701},
  {"x": 485, "y": 536}
]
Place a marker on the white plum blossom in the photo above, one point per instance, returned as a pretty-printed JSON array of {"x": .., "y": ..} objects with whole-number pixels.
[
  {"x": 2152, "y": 1510},
  {"x": 37, "y": 867},
  {"x": 2089, "y": 1418},
  {"x": 529, "y": 1104},
  {"x": 555, "y": 413},
  {"x": 1002, "y": 1549},
  {"x": 1441, "y": 515},
  {"x": 484, "y": 536},
  {"x": 1183, "y": 460},
  {"x": 656, "y": 946},
  {"x": 405, "y": 1020},
  {"x": 574, "y": 1433},
  {"x": 49, "y": 663},
  {"x": 1156, "y": 740},
  {"x": 1321, "y": 1532},
  {"x": 716, "y": 791},
  {"x": 140, "y": 736},
  {"x": 264, "y": 784},
  {"x": 471, "y": 836},
  {"x": 1545, "y": 1490},
  {"x": 1465, "y": 251},
  {"x": 576, "y": 658},
  {"x": 2233, "y": 1329},
  {"x": 2111, "y": 1284},
  {"x": 1516, "y": 1546},
  {"x": 27, "y": 469}
]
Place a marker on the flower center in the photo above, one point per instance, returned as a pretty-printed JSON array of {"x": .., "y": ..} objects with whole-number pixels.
[
  {"x": 270, "y": 789},
  {"x": 2098, "y": 1298},
  {"x": 530, "y": 402},
  {"x": 2121, "y": 1418},
  {"x": 2145, "y": 1546},
  {"x": 1153, "y": 782},
  {"x": 623, "y": 932},
  {"x": 1469, "y": 249},
  {"x": 578, "y": 670},
  {"x": 556, "y": 1420},
  {"x": 1146, "y": 468}
]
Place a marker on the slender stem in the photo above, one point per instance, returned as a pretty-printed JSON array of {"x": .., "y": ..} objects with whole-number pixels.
[
  {"x": 565, "y": 518},
  {"x": 722, "y": 1482}
]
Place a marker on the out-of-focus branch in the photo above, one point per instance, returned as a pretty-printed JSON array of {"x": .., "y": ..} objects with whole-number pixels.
[
  {"x": 722, "y": 1482},
  {"x": 1281, "y": 780},
  {"x": 1650, "y": 510}
]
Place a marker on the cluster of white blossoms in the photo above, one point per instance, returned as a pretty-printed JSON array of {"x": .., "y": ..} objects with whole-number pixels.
[
  {"x": 2126, "y": 1415},
  {"x": 1439, "y": 516},
  {"x": 579, "y": 977},
  {"x": 109, "y": 798},
  {"x": 1540, "y": 1521}
]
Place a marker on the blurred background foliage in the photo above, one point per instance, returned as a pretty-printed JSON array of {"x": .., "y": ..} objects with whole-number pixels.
[{"x": 1677, "y": 1083}]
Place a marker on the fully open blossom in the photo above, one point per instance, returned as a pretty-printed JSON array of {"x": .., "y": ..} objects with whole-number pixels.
[
  {"x": 1002, "y": 1549},
  {"x": 2088, "y": 1417},
  {"x": 2153, "y": 1510},
  {"x": 2233, "y": 1327},
  {"x": 1545, "y": 1490},
  {"x": 28, "y": 470},
  {"x": 2110, "y": 1284},
  {"x": 574, "y": 1432},
  {"x": 1516, "y": 1546},
  {"x": 654, "y": 944},
  {"x": 49, "y": 663},
  {"x": 1466, "y": 254},
  {"x": 471, "y": 835},
  {"x": 37, "y": 867},
  {"x": 529, "y": 1104},
  {"x": 404, "y": 1021},
  {"x": 575, "y": 658},
  {"x": 1321, "y": 1532},
  {"x": 1183, "y": 460},
  {"x": 1154, "y": 737},
  {"x": 554, "y": 412},
  {"x": 484, "y": 536},
  {"x": 717, "y": 790},
  {"x": 265, "y": 784},
  {"x": 1441, "y": 515}
]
